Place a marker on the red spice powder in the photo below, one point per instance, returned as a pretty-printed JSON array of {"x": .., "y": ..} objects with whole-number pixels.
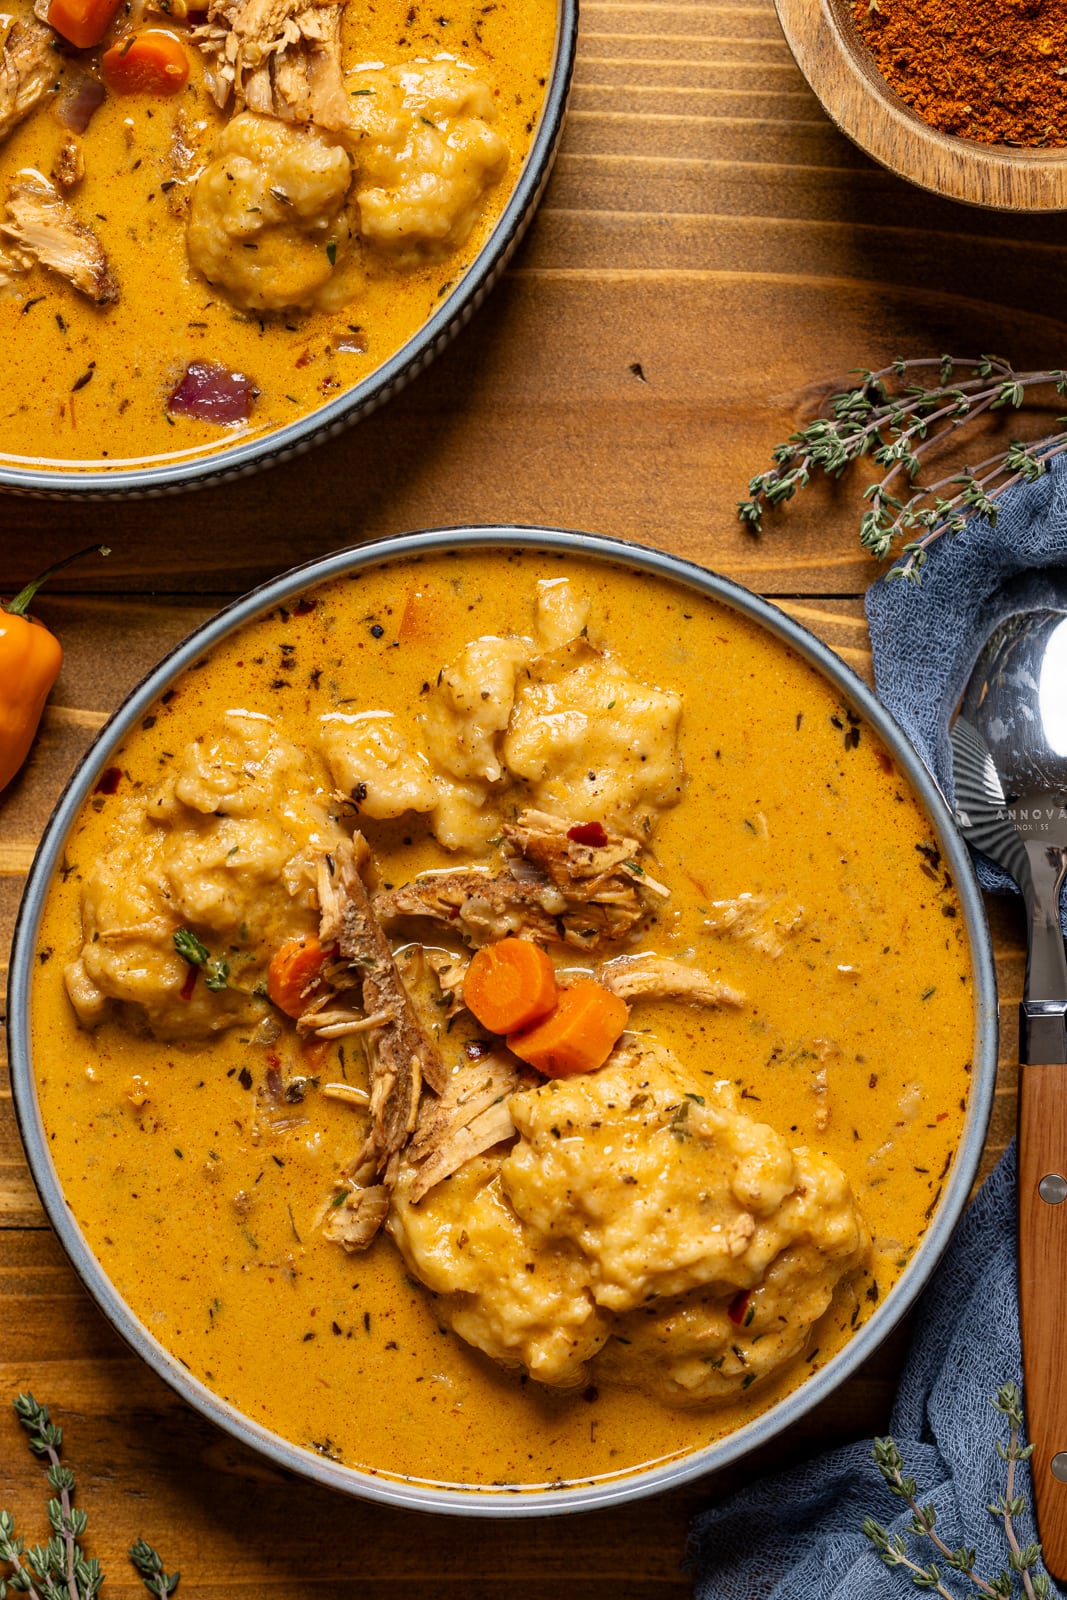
[{"x": 992, "y": 70}]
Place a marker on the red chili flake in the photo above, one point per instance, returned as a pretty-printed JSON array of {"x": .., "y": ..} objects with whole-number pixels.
[
  {"x": 304, "y": 605},
  {"x": 303, "y": 359},
  {"x": 941, "y": 1115},
  {"x": 109, "y": 781},
  {"x": 591, "y": 833},
  {"x": 186, "y": 990},
  {"x": 737, "y": 1307}
]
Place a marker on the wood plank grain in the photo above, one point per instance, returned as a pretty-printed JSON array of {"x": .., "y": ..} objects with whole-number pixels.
[
  {"x": 676, "y": 378},
  {"x": 711, "y": 260}
]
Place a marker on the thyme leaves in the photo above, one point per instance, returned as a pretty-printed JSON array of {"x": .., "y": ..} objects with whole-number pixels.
[
  {"x": 216, "y": 969},
  {"x": 1023, "y": 1560},
  {"x": 60, "y": 1569},
  {"x": 900, "y": 416}
]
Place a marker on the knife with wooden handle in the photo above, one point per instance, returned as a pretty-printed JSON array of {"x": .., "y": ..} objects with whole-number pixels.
[
  {"x": 1042, "y": 1183},
  {"x": 1042, "y": 1197}
]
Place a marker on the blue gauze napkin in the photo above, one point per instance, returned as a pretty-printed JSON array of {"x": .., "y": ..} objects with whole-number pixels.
[
  {"x": 797, "y": 1535},
  {"x": 925, "y": 640}
]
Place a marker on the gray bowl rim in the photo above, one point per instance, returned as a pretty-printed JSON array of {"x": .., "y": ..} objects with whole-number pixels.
[
  {"x": 486, "y": 1501},
  {"x": 338, "y": 415}
]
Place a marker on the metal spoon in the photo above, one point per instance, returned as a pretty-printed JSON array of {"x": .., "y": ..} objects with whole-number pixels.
[{"x": 1009, "y": 762}]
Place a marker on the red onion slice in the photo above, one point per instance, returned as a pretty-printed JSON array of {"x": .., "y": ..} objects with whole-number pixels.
[
  {"x": 82, "y": 96},
  {"x": 213, "y": 393}
]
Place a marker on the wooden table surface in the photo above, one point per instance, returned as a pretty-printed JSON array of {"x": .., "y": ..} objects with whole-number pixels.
[{"x": 710, "y": 258}]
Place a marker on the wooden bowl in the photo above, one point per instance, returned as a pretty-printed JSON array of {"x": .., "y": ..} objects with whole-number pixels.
[{"x": 841, "y": 71}]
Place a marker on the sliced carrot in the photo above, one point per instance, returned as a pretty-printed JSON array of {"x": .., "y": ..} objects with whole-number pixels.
[
  {"x": 313, "y": 1053},
  {"x": 150, "y": 62},
  {"x": 578, "y": 1036},
  {"x": 509, "y": 985},
  {"x": 294, "y": 971},
  {"x": 83, "y": 22},
  {"x": 421, "y": 617}
]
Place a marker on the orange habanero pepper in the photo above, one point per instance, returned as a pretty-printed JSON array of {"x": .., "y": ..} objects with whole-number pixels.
[{"x": 30, "y": 659}]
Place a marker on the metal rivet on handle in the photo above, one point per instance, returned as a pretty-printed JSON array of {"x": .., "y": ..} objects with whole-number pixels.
[
  {"x": 1058, "y": 1466},
  {"x": 1053, "y": 1190}
]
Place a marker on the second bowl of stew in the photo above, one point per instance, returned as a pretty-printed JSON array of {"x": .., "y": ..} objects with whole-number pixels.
[{"x": 227, "y": 231}]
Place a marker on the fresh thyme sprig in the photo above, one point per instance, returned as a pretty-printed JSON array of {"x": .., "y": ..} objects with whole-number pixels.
[
  {"x": 899, "y": 420},
  {"x": 60, "y": 1570},
  {"x": 150, "y": 1566},
  {"x": 216, "y": 968},
  {"x": 1022, "y": 1559}
]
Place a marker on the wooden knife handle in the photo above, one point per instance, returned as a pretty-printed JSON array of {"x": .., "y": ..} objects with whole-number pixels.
[{"x": 1042, "y": 1187}]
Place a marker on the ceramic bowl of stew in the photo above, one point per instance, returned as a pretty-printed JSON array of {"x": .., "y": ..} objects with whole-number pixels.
[
  {"x": 685, "y": 802},
  {"x": 223, "y": 283},
  {"x": 841, "y": 70}
]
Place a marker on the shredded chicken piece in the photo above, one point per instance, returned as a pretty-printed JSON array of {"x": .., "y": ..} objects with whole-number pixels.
[
  {"x": 585, "y": 871},
  {"x": 357, "y": 1219},
  {"x": 181, "y": 160},
  {"x": 449, "y": 970},
  {"x": 337, "y": 1024},
  {"x": 757, "y": 920},
  {"x": 470, "y": 1117},
  {"x": 425, "y": 969},
  {"x": 27, "y": 70},
  {"x": 651, "y": 977},
  {"x": 281, "y": 58},
  {"x": 43, "y": 223},
  {"x": 403, "y": 1056},
  {"x": 555, "y": 888},
  {"x": 69, "y": 169},
  {"x": 13, "y": 264},
  {"x": 153, "y": 928},
  {"x": 348, "y": 1092}
]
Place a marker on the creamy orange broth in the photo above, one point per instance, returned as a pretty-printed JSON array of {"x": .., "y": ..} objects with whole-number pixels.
[
  {"x": 135, "y": 351},
  {"x": 787, "y": 793}
]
